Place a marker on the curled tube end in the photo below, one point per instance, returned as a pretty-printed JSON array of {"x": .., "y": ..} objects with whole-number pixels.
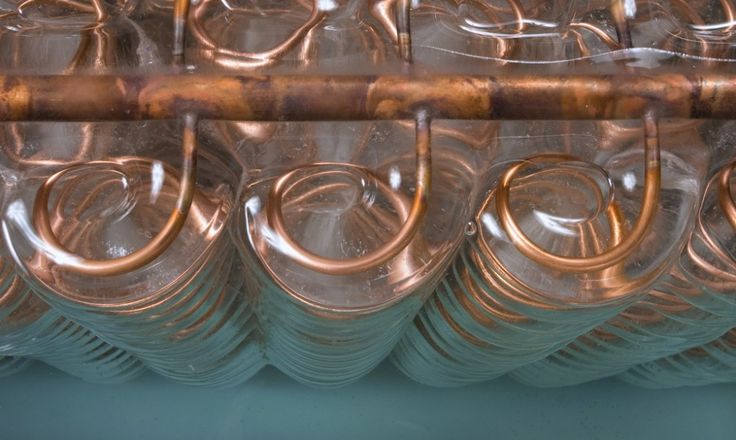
[
  {"x": 388, "y": 250},
  {"x": 150, "y": 251}
]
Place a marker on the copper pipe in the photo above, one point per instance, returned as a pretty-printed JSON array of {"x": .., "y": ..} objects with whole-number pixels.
[
  {"x": 600, "y": 33},
  {"x": 381, "y": 11},
  {"x": 615, "y": 254},
  {"x": 143, "y": 256},
  {"x": 388, "y": 97},
  {"x": 383, "y": 253},
  {"x": 403, "y": 27},
  {"x": 181, "y": 12},
  {"x": 729, "y": 11},
  {"x": 623, "y": 32},
  {"x": 725, "y": 195}
]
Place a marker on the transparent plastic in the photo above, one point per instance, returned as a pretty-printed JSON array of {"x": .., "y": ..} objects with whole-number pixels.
[
  {"x": 184, "y": 314},
  {"x": 351, "y": 188},
  {"x": 500, "y": 308},
  {"x": 712, "y": 363}
]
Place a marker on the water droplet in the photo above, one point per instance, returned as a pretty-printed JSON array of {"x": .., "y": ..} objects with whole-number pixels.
[{"x": 471, "y": 228}]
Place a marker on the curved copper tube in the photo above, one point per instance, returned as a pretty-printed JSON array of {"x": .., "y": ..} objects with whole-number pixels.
[
  {"x": 97, "y": 7},
  {"x": 233, "y": 58},
  {"x": 724, "y": 277},
  {"x": 615, "y": 254},
  {"x": 385, "y": 252},
  {"x": 153, "y": 249},
  {"x": 623, "y": 32},
  {"x": 725, "y": 195},
  {"x": 729, "y": 11}
]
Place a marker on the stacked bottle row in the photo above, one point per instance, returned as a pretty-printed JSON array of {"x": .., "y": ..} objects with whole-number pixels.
[
  {"x": 357, "y": 36},
  {"x": 558, "y": 251}
]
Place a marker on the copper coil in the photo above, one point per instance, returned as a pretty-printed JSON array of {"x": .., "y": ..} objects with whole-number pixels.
[
  {"x": 510, "y": 26},
  {"x": 100, "y": 40},
  {"x": 378, "y": 256},
  {"x": 192, "y": 17},
  {"x": 196, "y": 328},
  {"x": 474, "y": 327},
  {"x": 319, "y": 338},
  {"x": 141, "y": 257},
  {"x": 669, "y": 320}
]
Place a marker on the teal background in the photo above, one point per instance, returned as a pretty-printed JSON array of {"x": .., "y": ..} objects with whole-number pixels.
[{"x": 41, "y": 403}]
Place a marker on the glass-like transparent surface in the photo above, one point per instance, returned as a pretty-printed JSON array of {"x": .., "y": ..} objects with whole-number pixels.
[
  {"x": 578, "y": 191},
  {"x": 349, "y": 192},
  {"x": 712, "y": 363},
  {"x": 184, "y": 313}
]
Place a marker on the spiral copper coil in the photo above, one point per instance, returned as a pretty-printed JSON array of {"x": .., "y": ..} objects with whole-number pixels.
[
  {"x": 195, "y": 328},
  {"x": 336, "y": 334},
  {"x": 485, "y": 320},
  {"x": 391, "y": 15},
  {"x": 678, "y": 314},
  {"x": 666, "y": 322},
  {"x": 714, "y": 362},
  {"x": 101, "y": 37},
  {"x": 29, "y": 327}
]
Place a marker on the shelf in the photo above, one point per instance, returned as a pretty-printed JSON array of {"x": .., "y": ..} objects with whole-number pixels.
[{"x": 41, "y": 403}]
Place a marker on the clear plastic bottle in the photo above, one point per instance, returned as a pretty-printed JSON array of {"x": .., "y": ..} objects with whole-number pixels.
[
  {"x": 94, "y": 36},
  {"x": 667, "y": 321},
  {"x": 340, "y": 36},
  {"x": 345, "y": 196},
  {"x": 30, "y": 329},
  {"x": 576, "y": 190},
  {"x": 183, "y": 313}
]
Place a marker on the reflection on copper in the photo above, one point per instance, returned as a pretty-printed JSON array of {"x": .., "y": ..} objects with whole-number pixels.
[
  {"x": 229, "y": 58},
  {"x": 725, "y": 196},
  {"x": 613, "y": 255},
  {"x": 148, "y": 253},
  {"x": 386, "y": 251},
  {"x": 721, "y": 275}
]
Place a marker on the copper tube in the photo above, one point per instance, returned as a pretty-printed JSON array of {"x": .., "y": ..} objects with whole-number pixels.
[
  {"x": 383, "y": 253},
  {"x": 181, "y": 12},
  {"x": 725, "y": 195},
  {"x": 154, "y": 248},
  {"x": 403, "y": 27},
  {"x": 623, "y": 32},
  {"x": 608, "y": 258},
  {"x": 246, "y": 60},
  {"x": 600, "y": 33},
  {"x": 381, "y": 11},
  {"x": 389, "y": 97}
]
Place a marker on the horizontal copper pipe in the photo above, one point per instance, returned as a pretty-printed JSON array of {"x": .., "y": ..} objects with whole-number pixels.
[{"x": 274, "y": 98}]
